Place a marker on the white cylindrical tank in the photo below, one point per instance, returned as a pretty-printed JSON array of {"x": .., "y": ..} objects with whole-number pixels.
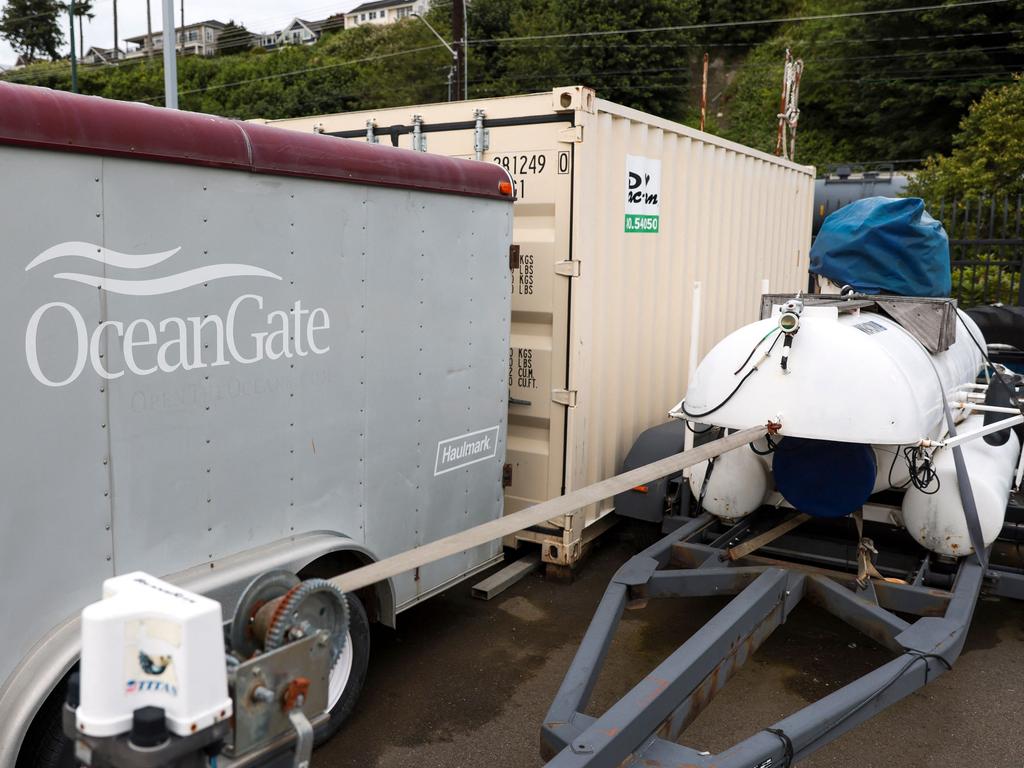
[
  {"x": 738, "y": 484},
  {"x": 936, "y": 521},
  {"x": 856, "y": 378}
]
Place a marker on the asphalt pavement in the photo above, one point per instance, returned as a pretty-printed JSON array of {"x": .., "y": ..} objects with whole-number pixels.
[{"x": 466, "y": 683}]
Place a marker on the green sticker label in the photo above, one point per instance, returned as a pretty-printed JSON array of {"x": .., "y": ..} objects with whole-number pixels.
[{"x": 635, "y": 223}]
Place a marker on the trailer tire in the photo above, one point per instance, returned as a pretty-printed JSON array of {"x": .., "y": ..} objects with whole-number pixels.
[
  {"x": 45, "y": 745},
  {"x": 349, "y": 672}
]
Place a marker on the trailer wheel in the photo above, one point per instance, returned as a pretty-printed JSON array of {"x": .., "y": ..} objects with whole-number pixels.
[
  {"x": 349, "y": 672},
  {"x": 45, "y": 744}
]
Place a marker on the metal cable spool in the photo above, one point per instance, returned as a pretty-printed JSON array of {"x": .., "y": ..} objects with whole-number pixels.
[
  {"x": 310, "y": 606},
  {"x": 277, "y": 608}
]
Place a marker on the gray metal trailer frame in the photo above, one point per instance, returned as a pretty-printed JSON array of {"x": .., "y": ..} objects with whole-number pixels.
[{"x": 643, "y": 727}]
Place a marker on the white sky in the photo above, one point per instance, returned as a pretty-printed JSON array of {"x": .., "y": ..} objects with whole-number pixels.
[{"x": 257, "y": 15}]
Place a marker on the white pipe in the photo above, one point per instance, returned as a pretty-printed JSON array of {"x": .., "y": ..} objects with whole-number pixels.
[
  {"x": 694, "y": 355},
  {"x": 987, "y": 408},
  {"x": 997, "y": 426}
]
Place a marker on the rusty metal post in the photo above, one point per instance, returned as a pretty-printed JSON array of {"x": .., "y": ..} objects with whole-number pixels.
[
  {"x": 782, "y": 106},
  {"x": 704, "y": 93}
]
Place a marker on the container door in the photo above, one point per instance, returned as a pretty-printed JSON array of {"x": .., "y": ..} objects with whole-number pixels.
[{"x": 541, "y": 164}]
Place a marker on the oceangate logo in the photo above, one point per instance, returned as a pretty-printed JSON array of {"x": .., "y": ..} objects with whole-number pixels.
[{"x": 172, "y": 343}]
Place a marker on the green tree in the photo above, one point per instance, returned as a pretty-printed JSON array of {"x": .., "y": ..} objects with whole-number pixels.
[
  {"x": 988, "y": 151},
  {"x": 882, "y": 87},
  {"x": 649, "y": 70},
  {"x": 32, "y": 27}
]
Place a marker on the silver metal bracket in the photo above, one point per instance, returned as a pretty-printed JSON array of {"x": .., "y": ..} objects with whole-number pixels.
[
  {"x": 566, "y": 397},
  {"x": 568, "y": 267},
  {"x": 371, "y": 137},
  {"x": 419, "y": 138},
  {"x": 303, "y": 738},
  {"x": 481, "y": 135}
]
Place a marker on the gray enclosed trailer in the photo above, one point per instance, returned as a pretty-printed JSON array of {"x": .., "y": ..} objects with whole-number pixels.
[{"x": 232, "y": 348}]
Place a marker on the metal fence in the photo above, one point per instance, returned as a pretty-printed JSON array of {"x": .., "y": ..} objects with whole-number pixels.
[{"x": 986, "y": 248}]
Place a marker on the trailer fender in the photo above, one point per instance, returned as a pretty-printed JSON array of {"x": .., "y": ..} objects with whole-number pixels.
[{"x": 45, "y": 666}]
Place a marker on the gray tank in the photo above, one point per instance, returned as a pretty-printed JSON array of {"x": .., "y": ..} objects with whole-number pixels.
[{"x": 844, "y": 184}]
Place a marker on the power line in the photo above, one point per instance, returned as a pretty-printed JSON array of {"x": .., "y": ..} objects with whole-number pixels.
[
  {"x": 742, "y": 23},
  {"x": 30, "y": 76},
  {"x": 306, "y": 70},
  {"x": 796, "y": 42}
]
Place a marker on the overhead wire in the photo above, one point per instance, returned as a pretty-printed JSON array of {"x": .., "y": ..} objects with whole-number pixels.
[{"x": 744, "y": 22}]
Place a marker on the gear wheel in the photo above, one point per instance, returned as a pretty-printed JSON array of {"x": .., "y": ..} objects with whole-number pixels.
[{"x": 308, "y": 607}]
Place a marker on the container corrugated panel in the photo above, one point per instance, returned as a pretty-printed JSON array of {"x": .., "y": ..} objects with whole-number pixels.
[{"x": 602, "y": 298}]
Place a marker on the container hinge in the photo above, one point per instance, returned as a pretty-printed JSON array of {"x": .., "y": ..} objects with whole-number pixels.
[
  {"x": 571, "y": 135},
  {"x": 419, "y": 138},
  {"x": 568, "y": 267},
  {"x": 513, "y": 257},
  {"x": 566, "y": 397},
  {"x": 506, "y": 476}
]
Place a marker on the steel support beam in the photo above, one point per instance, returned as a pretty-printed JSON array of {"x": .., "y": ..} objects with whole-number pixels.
[
  {"x": 743, "y": 623},
  {"x": 642, "y": 728}
]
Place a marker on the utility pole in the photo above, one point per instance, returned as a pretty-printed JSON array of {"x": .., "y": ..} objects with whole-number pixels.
[
  {"x": 459, "y": 85},
  {"x": 74, "y": 56},
  {"x": 182, "y": 27},
  {"x": 115, "y": 31},
  {"x": 170, "y": 58},
  {"x": 149, "y": 31}
]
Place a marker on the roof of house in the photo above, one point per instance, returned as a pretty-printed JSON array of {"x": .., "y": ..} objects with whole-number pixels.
[
  {"x": 40, "y": 118},
  {"x": 373, "y": 6},
  {"x": 208, "y": 23}
]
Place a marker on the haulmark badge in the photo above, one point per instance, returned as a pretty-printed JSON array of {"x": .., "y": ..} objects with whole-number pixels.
[
  {"x": 643, "y": 193},
  {"x": 463, "y": 450}
]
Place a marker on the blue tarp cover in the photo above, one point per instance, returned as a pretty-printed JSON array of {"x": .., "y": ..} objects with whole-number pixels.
[{"x": 884, "y": 245}]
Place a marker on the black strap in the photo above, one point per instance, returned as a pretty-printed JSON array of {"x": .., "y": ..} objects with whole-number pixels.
[{"x": 787, "y": 746}]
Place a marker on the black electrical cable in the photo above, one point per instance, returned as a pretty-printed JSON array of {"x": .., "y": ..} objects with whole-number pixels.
[
  {"x": 770, "y": 449},
  {"x": 689, "y": 426},
  {"x": 915, "y": 656},
  {"x": 895, "y": 456},
  {"x": 787, "y": 746},
  {"x": 707, "y": 477},
  {"x": 756, "y": 347},
  {"x": 922, "y": 469},
  {"x": 721, "y": 404},
  {"x": 736, "y": 388}
]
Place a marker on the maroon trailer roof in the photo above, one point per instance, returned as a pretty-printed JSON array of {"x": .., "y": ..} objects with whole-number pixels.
[{"x": 47, "y": 119}]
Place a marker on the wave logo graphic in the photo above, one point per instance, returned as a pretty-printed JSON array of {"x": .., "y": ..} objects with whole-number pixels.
[
  {"x": 141, "y": 287},
  {"x": 244, "y": 333}
]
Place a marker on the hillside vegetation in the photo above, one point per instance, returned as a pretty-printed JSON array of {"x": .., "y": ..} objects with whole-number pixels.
[{"x": 875, "y": 87}]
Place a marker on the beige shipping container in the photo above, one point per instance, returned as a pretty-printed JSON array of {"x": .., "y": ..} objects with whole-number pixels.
[{"x": 618, "y": 215}]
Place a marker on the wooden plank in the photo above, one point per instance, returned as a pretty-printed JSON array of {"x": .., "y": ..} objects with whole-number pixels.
[
  {"x": 748, "y": 546},
  {"x": 497, "y": 583},
  {"x": 538, "y": 513}
]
